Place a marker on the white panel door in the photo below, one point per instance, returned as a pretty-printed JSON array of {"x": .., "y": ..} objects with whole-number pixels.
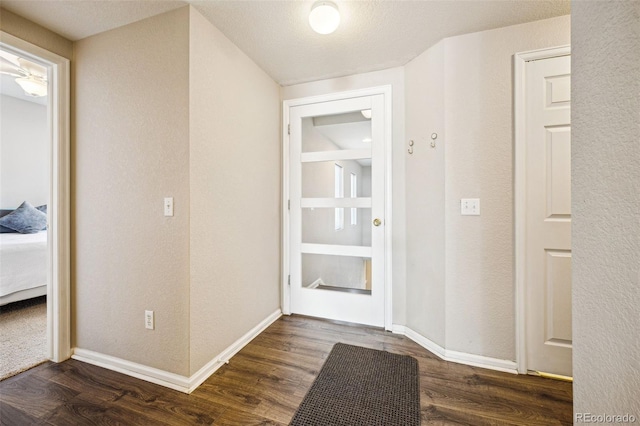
[
  {"x": 337, "y": 199},
  {"x": 548, "y": 216}
]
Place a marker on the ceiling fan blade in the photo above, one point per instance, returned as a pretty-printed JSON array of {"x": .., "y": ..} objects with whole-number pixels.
[
  {"x": 32, "y": 68},
  {"x": 7, "y": 67},
  {"x": 10, "y": 57}
]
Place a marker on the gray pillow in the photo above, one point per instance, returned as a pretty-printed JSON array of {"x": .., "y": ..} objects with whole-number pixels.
[
  {"x": 4, "y": 230},
  {"x": 26, "y": 219},
  {"x": 43, "y": 209}
]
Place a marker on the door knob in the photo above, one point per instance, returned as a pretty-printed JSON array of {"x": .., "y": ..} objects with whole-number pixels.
[{"x": 377, "y": 222}]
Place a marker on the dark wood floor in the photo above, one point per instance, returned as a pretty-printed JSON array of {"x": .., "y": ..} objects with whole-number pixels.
[{"x": 264, "y": 383}]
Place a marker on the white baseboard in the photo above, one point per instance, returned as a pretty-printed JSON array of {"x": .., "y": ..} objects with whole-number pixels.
[
  {"x": 428, "y": 344},
  {"x": 455, "y": 356},
  {"x": 140, "y": 371},
  {"x": 165, "y": 378}
]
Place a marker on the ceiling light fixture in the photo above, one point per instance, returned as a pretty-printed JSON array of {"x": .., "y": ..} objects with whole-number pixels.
[
  {"x": 324, "y": 17},
  {"x": 33, "y": 86}
]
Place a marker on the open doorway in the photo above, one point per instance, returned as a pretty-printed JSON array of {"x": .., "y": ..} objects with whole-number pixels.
[
  {"x": 24, "y": 194},
  {"x": 34, "y": 199}
]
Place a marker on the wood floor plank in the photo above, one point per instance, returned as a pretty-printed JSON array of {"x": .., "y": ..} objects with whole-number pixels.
[
  {"x": 87, "y": 379},
  {"x": 235, "y": 418},
  {"x": 176, "y": 408},
  {"x": 49, "y": 370},
  {"x": 264, "y": 383},
  {"x": 11, "y": 416},
  {"x": 81, "y": 411},
  {"x": 34, "y": 395},
  {"x": 232, "y": 395}
]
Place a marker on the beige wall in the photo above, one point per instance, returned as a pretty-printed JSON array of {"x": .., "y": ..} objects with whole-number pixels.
[
  {"x": 235, "y": 192},
  {"x": 33, "y": 33},
  {"x": 395, "y": 78},
  {"x": 475, "y": 107},
  {"x": 425, "y": 113},
  {"x": 479, "y": 164},
  {"x": 606, "y": 201},
  {"x": 131, "y": 149},
  {"x": 203, "y": 127}
]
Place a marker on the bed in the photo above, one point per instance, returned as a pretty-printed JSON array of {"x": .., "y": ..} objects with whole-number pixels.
[{"x": 23, "y": 266}]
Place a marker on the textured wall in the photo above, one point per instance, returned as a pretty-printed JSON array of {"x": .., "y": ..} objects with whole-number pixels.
[
  {"x": 24, "y": 153},
  {"x": 131, "y": 149},
  {"x": 479, "y": 164},
  {"x": 394, "y": 77},
  {"x": 33, "y": 33},
  {"x": 460, "y": 278},
  {"x": 235, "y": 192},
  {"x": 425, "y": 109},
  {"x": 606, "y": 206}
]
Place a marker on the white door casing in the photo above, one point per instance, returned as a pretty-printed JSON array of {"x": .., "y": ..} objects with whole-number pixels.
[
  {"x": 373, "y": 308},
  {"x": 543, "y": 230}
]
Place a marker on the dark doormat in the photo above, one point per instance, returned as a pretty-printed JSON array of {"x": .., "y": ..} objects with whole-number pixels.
[{"x": 360, "y": 386}]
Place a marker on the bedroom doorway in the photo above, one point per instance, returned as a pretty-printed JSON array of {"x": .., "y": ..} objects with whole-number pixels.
[
  {"x": 35, "y": 235},
  {"x": 24, "y": 184}
]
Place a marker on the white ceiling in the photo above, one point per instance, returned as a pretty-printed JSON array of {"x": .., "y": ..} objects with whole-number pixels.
[{"x": 372, "y": 35}]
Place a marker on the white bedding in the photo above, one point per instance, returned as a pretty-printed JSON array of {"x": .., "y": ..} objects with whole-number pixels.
[{"x": 23, "y": 262}]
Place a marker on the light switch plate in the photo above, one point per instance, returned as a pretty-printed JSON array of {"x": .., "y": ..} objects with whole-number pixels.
[
  {"x": 470, "y": 207},
  {"x": 149, "y": 320},
  {"x": 168, "y": 206}
]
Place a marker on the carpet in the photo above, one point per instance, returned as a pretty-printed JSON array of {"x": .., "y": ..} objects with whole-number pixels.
[
  {"x": 23, "y": 336},
  {"x": 360, "y": 386}
]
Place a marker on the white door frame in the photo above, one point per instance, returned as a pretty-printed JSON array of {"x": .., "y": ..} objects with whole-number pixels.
[
  {"x": 286, "y": 105},
  {"x": 58, "y": 238},
  {"x": 520, "y": 186}
]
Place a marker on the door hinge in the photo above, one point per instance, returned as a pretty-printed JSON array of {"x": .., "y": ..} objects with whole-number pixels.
[
  {"x": 289, "y": 280},
  {"x": 288, "y": 129},
  {"x": 288, "y": 204}
]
